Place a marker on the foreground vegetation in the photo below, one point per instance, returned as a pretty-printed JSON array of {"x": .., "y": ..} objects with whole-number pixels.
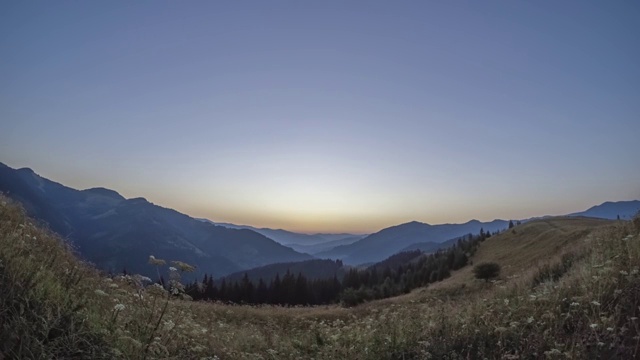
[{"x": 570, "y": 288}]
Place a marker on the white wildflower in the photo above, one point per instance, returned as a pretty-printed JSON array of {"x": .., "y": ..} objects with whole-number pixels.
[
  {"x": 529, "y": 319},
  {"x": 553, "y": 352},
  {"x": 574, "y": 304},
  {"x": 609, "y": 329},
  {"x": 171, "y": 268},
  {"x": 169, "y": 325},
  {"x": 622, "y": 272},
  {"x": 593, "y": 326},
  {"x": 157, "y": 262},
  {"x": 595, "y": 303},
  {"x": 101, "y": 293},
  {"x": 118, "y": 307}
]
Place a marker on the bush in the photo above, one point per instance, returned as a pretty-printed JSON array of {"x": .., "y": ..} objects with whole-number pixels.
[{"x": 486, "y": 271}]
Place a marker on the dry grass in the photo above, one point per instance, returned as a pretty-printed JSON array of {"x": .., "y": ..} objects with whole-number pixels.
[{"x": 589, "y": 311}]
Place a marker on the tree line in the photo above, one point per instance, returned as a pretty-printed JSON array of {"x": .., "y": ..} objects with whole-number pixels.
[{"x": 398, "y": 274}]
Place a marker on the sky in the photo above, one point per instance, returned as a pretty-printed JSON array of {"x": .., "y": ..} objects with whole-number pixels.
[{"x": 328, "y": 116}]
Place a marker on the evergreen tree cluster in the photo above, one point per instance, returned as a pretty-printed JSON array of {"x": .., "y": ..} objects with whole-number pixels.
[
  {"x": 398, "y": 274},
  {"x": 289, "y": 289}
]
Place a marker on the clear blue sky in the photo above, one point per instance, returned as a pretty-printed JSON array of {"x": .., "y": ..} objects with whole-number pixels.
[{"x": 328, "y": 116}]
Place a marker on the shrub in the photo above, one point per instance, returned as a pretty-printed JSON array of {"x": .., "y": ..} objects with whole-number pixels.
[{"x": 486, "y": 271}]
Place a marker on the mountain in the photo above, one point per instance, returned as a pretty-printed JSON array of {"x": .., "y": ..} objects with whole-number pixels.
[
  {"x": 386, "y": 242},
  {"x": 117, "y": 233},
  {"x": 290, "y": 238},
  {"x": 611, "y": 210},
  {"x": 430, "y": 246},
  {"x": 325, "y": 246},
  {"x": 311, "y": 269}
]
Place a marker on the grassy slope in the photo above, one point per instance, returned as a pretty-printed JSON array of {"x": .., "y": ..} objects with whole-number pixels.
[
  {"x": 529, "y": 246},
  {"x": 588, "y": 312}
]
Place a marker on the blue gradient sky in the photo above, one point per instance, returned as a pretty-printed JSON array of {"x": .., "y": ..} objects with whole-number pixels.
[{"x": 328, "y": 116}]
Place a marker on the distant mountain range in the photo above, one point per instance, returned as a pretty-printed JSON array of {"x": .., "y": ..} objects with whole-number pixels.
[
  {"x": 378, "y": 246},
  {"x": 117, "y": 233},
  {"x": 429, "y": 238},
  {"x": 308, "y": 243},
  {"x": 612, "y": 210}
]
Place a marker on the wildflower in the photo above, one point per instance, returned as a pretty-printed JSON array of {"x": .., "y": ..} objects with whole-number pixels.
[
  {"x": 609, "y": 329},
  {"x": 529, "y": 319},
  {"x": 101, "y": 293},
  {"x": 154, "y": 261},
  {"x": 595, "y": 303},
  {"x": 183, "y": 266},
  {"x": 501, "y": 329},
  {"x": 169, "y": 325},
  {"x": 635, "y": 271},
  {"x": 553, "y": 352},
  {"x": 145, "y": 279},
  {"x": 118, "y": 307},
  {"x": 593, "y": 326},
  {"x": 506, "y": 301},
  {"x": 171, "y": 268},
  {"x": 574, "y": 304},
  {"x": 622, "y": 272}
]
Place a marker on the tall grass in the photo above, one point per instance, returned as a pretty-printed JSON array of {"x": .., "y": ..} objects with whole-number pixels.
[
  {"x": 581, "y": 305},
  {"x": 44, "y": 295}
]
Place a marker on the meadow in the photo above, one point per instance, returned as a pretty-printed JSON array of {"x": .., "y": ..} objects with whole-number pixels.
[{"x": 569, "y": 289}]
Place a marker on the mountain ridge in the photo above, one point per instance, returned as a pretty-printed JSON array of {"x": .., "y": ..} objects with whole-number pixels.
[
  {"x": 393, "y": 239},
  {"x": 290, "y": 238},
  {"x": 116, "y": 233}
]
